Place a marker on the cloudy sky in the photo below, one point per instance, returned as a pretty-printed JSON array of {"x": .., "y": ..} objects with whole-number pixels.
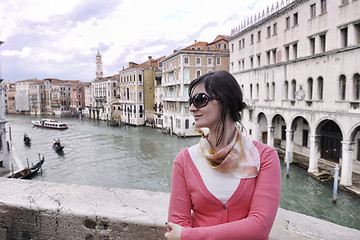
[{"x": 60, "y": 38}]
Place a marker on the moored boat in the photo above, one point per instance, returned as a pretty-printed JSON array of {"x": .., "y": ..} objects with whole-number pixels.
[
  {"x": 50, "y": 123},
  {"x": 28, "y": 172}
]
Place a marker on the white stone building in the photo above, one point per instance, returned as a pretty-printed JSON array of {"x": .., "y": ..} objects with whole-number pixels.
[
  {"x": 178, "y": 70},
  {"x": 298, "y": 66}
]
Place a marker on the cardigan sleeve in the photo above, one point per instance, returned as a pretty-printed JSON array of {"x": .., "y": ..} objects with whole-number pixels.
[
  {"x": 180, "y": 200},
  {"x": 263, "y": 208}
]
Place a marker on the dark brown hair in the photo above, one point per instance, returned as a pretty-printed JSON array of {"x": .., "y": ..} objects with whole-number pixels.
[{"x": 223, "y": 87}]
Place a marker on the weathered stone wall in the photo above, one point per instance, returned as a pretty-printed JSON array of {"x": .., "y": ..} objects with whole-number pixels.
[{"x": 45, "y": 211}]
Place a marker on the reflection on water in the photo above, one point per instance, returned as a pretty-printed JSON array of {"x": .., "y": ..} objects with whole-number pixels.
[{"x": 141, "y": 158}]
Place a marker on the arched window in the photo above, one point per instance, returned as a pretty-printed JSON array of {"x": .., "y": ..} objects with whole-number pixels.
[
  {"x": 310, "y": 89},
  {"x": 320, "y": 88},
  {"x": 293, "y": 89},
  {"x": 127, "y": 94},
  {"x": 342, "y": 87},
  {"x": 114, "y": 92},
  {"x": 257, "y": 91},
  {"x": 356, "y": 80},
  {"x": 272, "y": 91},
  {"x": 187, "y": 124},
  {"x": 286, "y": 91},
  {"x": 186, "y": 74},
  {"x": 198, "y": 73}
]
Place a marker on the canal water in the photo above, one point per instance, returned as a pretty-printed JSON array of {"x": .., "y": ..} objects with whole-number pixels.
[{"x": 141, "y": 158}]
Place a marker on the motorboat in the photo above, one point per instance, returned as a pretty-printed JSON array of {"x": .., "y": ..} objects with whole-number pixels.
[{"x": 50, "y": 123}]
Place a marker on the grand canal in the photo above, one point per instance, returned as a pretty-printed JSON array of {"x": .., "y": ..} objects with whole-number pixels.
[{"x": 140, "y": 157}]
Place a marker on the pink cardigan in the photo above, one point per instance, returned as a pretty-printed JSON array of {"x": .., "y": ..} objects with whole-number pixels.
[{"x": 249, "y": 213}]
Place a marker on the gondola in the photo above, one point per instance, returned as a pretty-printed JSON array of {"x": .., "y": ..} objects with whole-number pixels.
[
  {"x": 57, "y": 145},
  {"x": 27, "y": 139},
  {"x": 27, "y": 172}
]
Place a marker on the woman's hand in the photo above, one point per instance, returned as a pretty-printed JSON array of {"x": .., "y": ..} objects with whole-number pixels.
[{"x": 175, "y": 233}]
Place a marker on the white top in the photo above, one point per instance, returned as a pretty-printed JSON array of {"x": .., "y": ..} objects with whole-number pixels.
[{"x": 220, "y": 185}]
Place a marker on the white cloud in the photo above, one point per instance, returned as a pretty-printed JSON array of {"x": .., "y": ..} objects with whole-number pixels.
[
  {"x": 25, "y": 52},
  {"x": 69, "y": 32}
]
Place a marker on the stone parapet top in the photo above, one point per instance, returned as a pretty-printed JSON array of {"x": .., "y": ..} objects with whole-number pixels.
[{"x": 45, "y": 210}]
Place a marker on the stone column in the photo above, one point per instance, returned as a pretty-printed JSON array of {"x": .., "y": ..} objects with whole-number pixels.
[
  {"x": 289, "y": 145},
  {"x": 256, "y": 130},
  {"x": 346, "y": 164},
  {"x": 270, "y": 136},
  {"x": 314, "y": 153}
]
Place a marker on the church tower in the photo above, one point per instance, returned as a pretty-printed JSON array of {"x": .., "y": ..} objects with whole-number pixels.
[{"x": 99, "y": 72}]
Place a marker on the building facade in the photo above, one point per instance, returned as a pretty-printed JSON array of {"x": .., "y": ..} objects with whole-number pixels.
[
  {"x": 137, "y": 92},
  {"x": 297, "y": 65},
  {"x": 178, "y": 69}
]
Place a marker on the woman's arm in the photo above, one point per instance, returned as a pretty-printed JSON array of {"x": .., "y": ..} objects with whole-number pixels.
[
  {"x": 263, "y": 208},
  {"x": 180, "y": 200}
]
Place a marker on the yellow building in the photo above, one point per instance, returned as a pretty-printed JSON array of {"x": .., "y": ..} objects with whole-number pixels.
[
  {"x": 136, "y": 92},
  {"x": 178, "y": 70}
]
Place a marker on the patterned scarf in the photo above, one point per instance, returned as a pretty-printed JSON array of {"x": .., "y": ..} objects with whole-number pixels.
[{"x": 239, "y": 159}]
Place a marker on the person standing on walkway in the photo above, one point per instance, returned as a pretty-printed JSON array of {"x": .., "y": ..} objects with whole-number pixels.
[{"x": 226, "y": 186}]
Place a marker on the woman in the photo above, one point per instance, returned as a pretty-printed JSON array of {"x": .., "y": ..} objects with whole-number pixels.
[{"x": 227, "y": 186}]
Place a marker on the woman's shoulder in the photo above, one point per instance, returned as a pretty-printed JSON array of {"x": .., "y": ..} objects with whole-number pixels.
[
  {"x": 266, "y": 152},
  {"x": 263, "y": 147},
  {"x": 185, "y": 154}
]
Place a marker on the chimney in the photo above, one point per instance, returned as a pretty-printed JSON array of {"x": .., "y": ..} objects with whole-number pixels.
[{"x": 195, "y": 41}]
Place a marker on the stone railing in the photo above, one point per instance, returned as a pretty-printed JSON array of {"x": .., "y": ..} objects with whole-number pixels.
[{"x": 43, "y": 210}]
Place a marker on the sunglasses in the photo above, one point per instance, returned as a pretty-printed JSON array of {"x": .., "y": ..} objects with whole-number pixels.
[{"x": 200, "y": 100}]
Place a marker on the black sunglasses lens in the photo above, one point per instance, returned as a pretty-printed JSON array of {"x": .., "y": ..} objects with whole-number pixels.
[{"x": 200, "y": 100}]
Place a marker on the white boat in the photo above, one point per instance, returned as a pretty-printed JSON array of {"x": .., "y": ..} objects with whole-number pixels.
[{"x": 50, "y": 123}]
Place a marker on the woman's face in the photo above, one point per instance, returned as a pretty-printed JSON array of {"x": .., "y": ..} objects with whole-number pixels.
[{"x": 207, "y": 116}]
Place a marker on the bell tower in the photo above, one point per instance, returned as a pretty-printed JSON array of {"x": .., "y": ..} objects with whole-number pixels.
[{"x": 99, "y": 72}]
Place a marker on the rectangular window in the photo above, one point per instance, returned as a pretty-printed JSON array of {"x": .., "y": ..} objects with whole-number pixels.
[
  {"x": 305, "y": 138},
  {"x": 259, "y": 36},
  {"x": 209, "y": 62},
  {"x": 287, "y": 22},
  {"x": 259, "y": 60},
  {"x": 198, "y": 61},
  {"x": 296, "y": 19},
  {"x": 323, "y": 43},
  {"x": 274, "y": 55},
  {"x": 295, "y": 51},
  {"x": 312, "y": 10},
  {"x": 287, "y": 53},
  {"x": 275, "y": 29},
  {"x": 243, "y": 45},
  {"x": 283, "y": 132},
  {"x": 268, "y": 57},
  {"x": 312, "y": 46},
  {"x": 243, "y": 64},
  {"x": 186, "y": 61},
  {"x": 239, "y": 44},
  {"x": 218, "y": 61},
  {"x": 268, "y": 31},
  {"x": 323, "y": 6},
  {"x": 344, "y": 37},
  {"x": 251, "y": 62},
  {"x": 252, "y": 39},
  {"x": 357, "y": 32},
  {"x": 232, "y": 47}
]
